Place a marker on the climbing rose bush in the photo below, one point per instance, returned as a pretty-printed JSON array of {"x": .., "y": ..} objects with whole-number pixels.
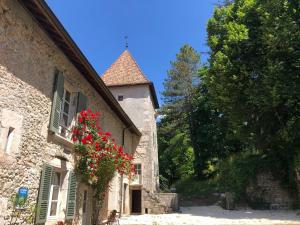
[{"x": 97, "y": 154}]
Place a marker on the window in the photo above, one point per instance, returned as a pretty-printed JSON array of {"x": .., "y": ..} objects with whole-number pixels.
[
  {"x": 138, "y": 169},
  {"x": 120, "y": 98},
  {"x": 54, "y": 194},
  {"x": 67, "y": 113},
  {"x": 138, "y": 174}
]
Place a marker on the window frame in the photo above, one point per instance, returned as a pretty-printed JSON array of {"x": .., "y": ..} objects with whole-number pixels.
[
  {"x": 65, "y": 131},
  {"x": 63, "y": 113},
  {"x": 140, "y": 169},
  {"x": 49, "y": 217},
  {"x": 138, "y": 176}
]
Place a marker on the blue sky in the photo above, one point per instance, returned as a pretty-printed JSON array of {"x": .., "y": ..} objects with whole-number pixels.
[{"x": 156, "y": 30}]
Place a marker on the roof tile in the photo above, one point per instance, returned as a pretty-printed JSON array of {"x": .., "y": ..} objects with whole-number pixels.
[{"x": 124, "y": 71}]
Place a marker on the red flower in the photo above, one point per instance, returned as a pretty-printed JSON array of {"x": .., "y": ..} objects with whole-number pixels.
[
  {"x": 108, "y": 134},
  {"x": 104, "y": 138},
  {"x": 80, "y": 119},
  {"x": 74, "y": 139},
  {"x": 101, "y": 146}
]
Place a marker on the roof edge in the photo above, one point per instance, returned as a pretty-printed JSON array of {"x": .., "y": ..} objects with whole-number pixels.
[{"x": 57, "y": 33}]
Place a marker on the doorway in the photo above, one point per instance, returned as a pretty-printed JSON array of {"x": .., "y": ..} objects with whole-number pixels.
[{"x": 136, "y": 203}]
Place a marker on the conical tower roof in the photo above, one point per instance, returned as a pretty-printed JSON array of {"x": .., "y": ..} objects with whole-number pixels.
[{"x": 126, "y": 72}]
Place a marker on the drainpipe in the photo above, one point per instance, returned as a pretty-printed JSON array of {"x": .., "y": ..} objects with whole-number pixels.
[{"x": 121, "y": 179}]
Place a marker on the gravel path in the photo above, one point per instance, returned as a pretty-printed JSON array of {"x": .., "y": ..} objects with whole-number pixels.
[{"x": 214, "y": 215}]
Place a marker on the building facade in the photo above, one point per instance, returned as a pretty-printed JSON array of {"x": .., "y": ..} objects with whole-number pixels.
[
  {"x": 136, "y": 95},
  {"x": 44, "y": 82}
]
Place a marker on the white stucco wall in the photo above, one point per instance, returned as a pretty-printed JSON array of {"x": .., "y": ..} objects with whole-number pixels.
[{"x": 138, "y": 104}]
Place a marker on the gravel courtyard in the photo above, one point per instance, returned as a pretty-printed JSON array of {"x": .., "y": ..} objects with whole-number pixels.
[{"x": 214, "y": 215}]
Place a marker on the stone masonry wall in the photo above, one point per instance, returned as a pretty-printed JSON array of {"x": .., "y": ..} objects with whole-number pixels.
[
  {"x": 268, "y": 193},
  {"x": 28, "y": 59},
  {"x": 170, "y": 200}
]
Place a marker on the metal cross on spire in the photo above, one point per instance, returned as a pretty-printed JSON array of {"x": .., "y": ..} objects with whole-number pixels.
[{"x": 126, "y": 42}]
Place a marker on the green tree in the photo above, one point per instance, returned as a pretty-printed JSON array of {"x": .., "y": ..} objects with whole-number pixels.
[
  {"x": 254, "y": 73},
  {"x": 179, "y": 88},
  {"x": 174, "y": 132},
  {"x": 176, "y": 157},
  {"x": 212, "y": 139}
]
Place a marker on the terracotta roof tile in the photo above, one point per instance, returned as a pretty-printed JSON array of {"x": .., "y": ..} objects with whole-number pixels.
[{"x": 124, "y": 71}]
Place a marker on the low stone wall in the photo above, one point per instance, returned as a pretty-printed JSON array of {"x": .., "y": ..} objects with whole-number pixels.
[
  {"x": 268, "y": 193},
  {"x": 170, "y": 200}
]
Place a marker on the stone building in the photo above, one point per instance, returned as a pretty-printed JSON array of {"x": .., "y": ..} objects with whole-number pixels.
[
  {"x": 136, "y": 95},
  {"x": 45, "y": 80}
]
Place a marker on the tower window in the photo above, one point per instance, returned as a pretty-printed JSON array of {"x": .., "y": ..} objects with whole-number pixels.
[{"x": 120, "y": 98}]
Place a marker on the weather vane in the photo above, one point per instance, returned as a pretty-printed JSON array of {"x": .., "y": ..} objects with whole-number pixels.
[{"x": 126, "y": 42}]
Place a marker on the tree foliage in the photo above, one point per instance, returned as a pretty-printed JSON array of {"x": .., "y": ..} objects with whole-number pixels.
[
  {"x": 247, "y": 100},
  {"x": 179, "y": 88},
  {"x": 253, "y": 78},
  {"x": 175, "y": 148},
  {"x": 254, "y": 72}
]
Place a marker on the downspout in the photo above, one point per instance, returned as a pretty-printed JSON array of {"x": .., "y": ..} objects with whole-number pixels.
[{"x": 121, "y": 179}]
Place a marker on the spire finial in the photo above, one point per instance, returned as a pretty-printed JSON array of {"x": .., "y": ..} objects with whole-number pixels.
[{"x": 126, "y": 42}]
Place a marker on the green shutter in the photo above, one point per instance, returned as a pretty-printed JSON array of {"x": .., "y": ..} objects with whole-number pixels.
[
  {"x": 57, "y": 100},
  {"x": 44, "y": 192},
  {"x": 71, "y": 199},
  {"x": 82, "y": 102}
]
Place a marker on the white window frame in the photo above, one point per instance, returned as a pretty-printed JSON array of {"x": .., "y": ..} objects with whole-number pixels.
[
  {"x": 138, "y": 175},
  {"x": 58, "y": 197},
  {"x": 62, "y": 109},
  {"x": 135, "y": 164},
  {"x": 70, "y": 117}
]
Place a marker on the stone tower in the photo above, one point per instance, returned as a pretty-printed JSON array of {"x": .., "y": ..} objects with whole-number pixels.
[{"x": 136, "y": 95}]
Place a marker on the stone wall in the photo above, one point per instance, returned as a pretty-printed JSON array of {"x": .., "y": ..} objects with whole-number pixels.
[
  {"x": 170, "y": 200},
  {"x": 268, "y": 193},
  {"x": 159, "y": 203},
  {"x": 28, "y": 59}
]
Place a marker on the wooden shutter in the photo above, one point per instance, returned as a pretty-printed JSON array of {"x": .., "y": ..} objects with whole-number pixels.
[
  {"x": 82, "y": 102},
  {"x": 57, "y": 100},
  {"x": 44, "y": 192},
  {"x": 71, "y": 199}
]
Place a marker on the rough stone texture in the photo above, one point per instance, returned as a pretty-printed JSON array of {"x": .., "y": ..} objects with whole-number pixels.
[
  {"x": 28, "y": 59},
  {"x": 170, "y": 200},
  {"x": 267, "y": 193},
  {"x": 152, "y": 204}
]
